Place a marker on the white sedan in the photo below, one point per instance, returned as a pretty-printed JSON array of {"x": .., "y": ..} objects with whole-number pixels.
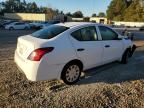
[
  {"x": 46, "y": 24},
  {"x": 17, "y": 26},
  {"x": 63, "y": 51}
]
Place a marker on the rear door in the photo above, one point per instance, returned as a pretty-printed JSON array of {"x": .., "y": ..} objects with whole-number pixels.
[
  {"x": 22, "y": 25},
  {"x": 88, "y": 48},
  {"x": 19, "y": 25},
  {"x": 113, "y": 47}
]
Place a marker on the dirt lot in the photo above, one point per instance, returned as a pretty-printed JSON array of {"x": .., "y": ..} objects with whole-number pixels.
[{"x": 111, "y": 86}]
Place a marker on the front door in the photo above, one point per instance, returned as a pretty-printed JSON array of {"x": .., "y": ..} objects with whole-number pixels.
[{"x": 113, "y": 47}]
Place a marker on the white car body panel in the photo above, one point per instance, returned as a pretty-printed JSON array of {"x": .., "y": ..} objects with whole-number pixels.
[
  {"x": 113, "y": 52},
  {"x": 92, "y": 54},
  {"x": 17, "y": 27},
  {"x": 65, "y": 50}
]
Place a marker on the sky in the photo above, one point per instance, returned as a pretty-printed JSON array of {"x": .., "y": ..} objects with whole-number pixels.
[{"x": 88, "y": 7}]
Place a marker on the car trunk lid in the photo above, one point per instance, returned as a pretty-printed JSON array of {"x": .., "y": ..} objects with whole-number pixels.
[{"x": 25, "y": 45}]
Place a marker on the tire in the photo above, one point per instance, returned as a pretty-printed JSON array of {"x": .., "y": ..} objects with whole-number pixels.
[
  {"x": 26, "y": 28},
  {"x": 125, "y": 57},
  {"x": 71, "y": 73},
  {"x": 11, "y": 28}
]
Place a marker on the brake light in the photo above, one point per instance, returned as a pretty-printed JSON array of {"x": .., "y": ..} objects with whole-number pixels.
[{"x": 37, "y": 54}]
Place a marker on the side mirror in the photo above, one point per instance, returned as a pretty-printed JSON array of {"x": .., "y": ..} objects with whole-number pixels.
[{"x": 119, "y": 37}]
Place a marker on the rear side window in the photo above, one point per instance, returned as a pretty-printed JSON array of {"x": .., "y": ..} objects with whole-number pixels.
[
  {"x": 50, "y": 32},
  {"x": 19, "y": 23},
  {"x": 85, "y": 34},
  {"x": 107, "y": 33},
  {"x": 77, "y": 35}
]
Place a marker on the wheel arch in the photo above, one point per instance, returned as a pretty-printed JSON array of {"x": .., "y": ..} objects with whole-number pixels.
[
  {"x": 127, "y": 49},
  {"x": 75, "y": 61},
  {"x": 131, "y": 49},
  {"x": 123, "y": 58}
]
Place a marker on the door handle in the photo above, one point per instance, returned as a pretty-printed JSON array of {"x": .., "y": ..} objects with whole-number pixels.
[
  {"x": 80, "y": 49},
  {"x": 107, "y": 46}
]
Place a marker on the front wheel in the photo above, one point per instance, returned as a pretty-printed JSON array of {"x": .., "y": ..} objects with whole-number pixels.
[
  {"x": 26, "y": 28},
  {"x": 71, "y": 73},
  {"x": 11, "y": 28},
  {"x": 126, "y": 56}
]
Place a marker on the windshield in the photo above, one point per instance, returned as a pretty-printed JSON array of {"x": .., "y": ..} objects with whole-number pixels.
[{"x": 49, "y": 32}]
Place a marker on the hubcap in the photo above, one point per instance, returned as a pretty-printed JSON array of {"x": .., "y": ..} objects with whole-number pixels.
[{"x": 72, "y": 73}]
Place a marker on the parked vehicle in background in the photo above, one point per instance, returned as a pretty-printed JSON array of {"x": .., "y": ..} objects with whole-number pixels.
[
  {"x": 50, "y": 23},
  {"x": 4, "y": 23},
  {"x": 1, "y": 24},
  {"x": 44, "y": 24},
  {"x": 17, "y": 25},
  {"x": 40, "y": 25},
  {"x": 141, "y": 28},
  {"x": 35, "y": 25},
  {"x": 64, "y": 50},
  {"x": 128, "y": 34},
  {"x": 54, "y": 22}
]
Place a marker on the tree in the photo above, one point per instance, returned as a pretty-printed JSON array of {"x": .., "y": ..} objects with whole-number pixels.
[
  {"x": 34, "y": 7},
  {"x": 23, "y": 6},
  {"x": 62, "y": 12},
  {"x": 94, "y": 15},
  {"x": 1, "y": 8},
  {"x": 10, "y": 6},
  {"x": 69, "y": 14},
  {"x": 125, "y": 10},
  {"x": 101, "y": 14},
  {"x": 57, "y": 11},
  {"x": 116, "y": 9},
  {"x": 50, "y": 13},
  {"x": 135, "y": 11},
  {"x": 78, "y": 14}
]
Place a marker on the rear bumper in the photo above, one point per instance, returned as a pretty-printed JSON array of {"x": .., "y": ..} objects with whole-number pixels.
[
  {"x": 37, "y": 71},
  {"x": 28, "y": 68}
]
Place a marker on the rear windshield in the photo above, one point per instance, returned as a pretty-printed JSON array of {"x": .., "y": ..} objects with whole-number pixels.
[{"x": 49, "y": 32}]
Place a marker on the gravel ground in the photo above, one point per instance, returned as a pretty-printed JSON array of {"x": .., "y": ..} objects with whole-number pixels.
[{"x": 110, "y": 86}]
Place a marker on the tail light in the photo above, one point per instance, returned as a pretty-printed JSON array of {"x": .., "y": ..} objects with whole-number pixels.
[{"x": 37, "y": 54}]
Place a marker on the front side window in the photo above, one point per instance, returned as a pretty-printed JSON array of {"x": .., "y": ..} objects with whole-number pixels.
[
  {"x": 85, "y": 34},
  {"x": 107, "y": 33},
  {"x": 49, "y": 32}
]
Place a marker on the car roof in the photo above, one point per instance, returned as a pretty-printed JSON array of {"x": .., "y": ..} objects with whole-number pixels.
[
  {"x": 14, "y": 22},
  {"x": 17, "y": 22},
  {"x": 76, "y": 24}
]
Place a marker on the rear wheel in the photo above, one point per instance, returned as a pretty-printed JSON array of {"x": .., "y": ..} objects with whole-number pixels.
[
  {"x": 26, "y": 28},
  {"x": 71, "y": 73},
  {"x": 126, "y": 56},
  {"x": 11, "y": 28}
]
